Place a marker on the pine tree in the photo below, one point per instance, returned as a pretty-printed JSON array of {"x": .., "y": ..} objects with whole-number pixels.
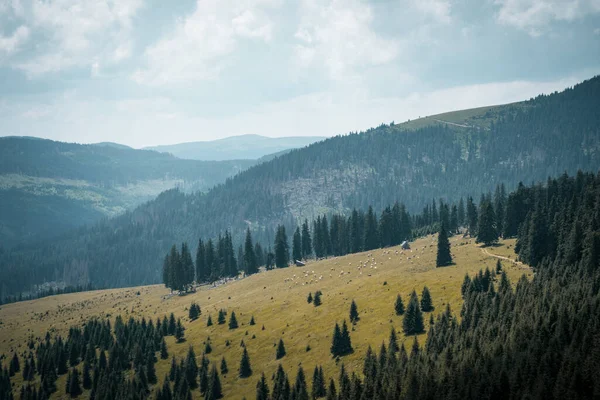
[
  {"x": 87, "y": 379},
  {"x": 426, "y": 302},
  {"x": 331, "y": 391},
  {"x": 172, "y": 325},
  {"x": 309, "y": 299},
  {"x": 233, "y": 324},
  {"x": 194, "y": 312},
  {"x": 214, "y": 390},
  {"x": 498, "y": 267},
  {"x": 471, "y": 217},
  {"x": 151, "y": 372},
  {"x": 179, "y": 331},
  {"x": 306, "y": 241},
  {"x": 224, "y": 368},
  {"x": 461, "y": 212},
  {"x": 282, "y": 254},
  {"x": 354, "y": 313},
  {"x": 74, "y": 385},
  {"x": 444, "y": 257},
  {"x": 252, "y": 322},
  {"x": 413, "y": 319},
  {"x": 300, "y": 390},
  {"x": 201, "y": 270},
  {"x": 14, "y": 366},
  {"x": 262, "y": 389},
  {"x": 371, "y": 238},
  {"x": 209, "y": 321},
  {"x": 393, "y": 342},
  {"x": 250, "y": 261},
  {"x": 221, "y": 317},
  {"x": 486, "y": 229},
  {"x": 164, "y": 354},
  {"x": 245, "y": 369},
  {"x": 399, "y": 305},
  {"x": 280, "y": 350},
  {"x": 191, "y": 368},
  {"x": 297, "y": 245},
  {"x": 318, "y": 384},
  {"x": 317, "y": 298}
]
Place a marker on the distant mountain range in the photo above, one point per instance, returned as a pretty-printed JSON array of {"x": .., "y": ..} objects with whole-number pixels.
[
  {"x": 244, "y": 147},
  {"x": 48, "y": 187},
  {"x": 446, "y": 156}
]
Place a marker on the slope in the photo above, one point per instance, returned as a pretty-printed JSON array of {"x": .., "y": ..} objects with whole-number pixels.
[
  {"x": 277, "y": 300},
  {"x": 48, "y": 188},
  {"x": 532, "y": 140},
  {"x": 236, "y": 147}
]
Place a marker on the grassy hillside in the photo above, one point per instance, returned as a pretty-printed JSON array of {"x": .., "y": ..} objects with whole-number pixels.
[
  {"x": 48, "y": 188},
  {"x": 277, "y": 300},
  {"x": 236, "y": 147}
]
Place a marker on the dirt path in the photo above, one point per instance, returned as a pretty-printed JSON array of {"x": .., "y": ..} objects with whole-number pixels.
[{"x": 517, "y": 263}]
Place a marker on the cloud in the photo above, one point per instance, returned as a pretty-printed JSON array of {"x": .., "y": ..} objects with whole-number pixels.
[
  {"x": 73, "y": 33},
  {"x": 439, "y": 10},
  {"x": 339, "y": 36},
  {"x": 534, "y": 16},
  {"x": 10, "y": 44},
  {"x": 201, "y": 42}
]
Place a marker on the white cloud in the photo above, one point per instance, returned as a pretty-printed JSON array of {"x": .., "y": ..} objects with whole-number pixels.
[
  {"x": 197, "y": 48},
  {"x": 339, "y": 35},
  {"x": 10, "y": 44},
  {"x": 77, "y": 33},
  {"x": 534, "y": 16},
  {"x": 438, "y": 9}
]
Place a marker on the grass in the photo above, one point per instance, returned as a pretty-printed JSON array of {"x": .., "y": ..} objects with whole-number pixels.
[{"x": 278, "y": 302}]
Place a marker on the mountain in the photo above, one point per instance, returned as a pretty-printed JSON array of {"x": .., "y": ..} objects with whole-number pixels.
[
  {"x": 48, "y": 187},
  {"x": 531, "y": 140},
  {"x": 242, "y": 147}
]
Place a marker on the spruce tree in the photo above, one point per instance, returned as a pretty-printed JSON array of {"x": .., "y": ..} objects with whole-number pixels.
[
  {"x": 172, "y": 325},
  {"x": 354, "y": 313},
  {"x": 444, "y": 257},
  {"x": 224, "y": 368},
  {"x": 371, "y": 238},
  {"x": 336, "y": 342},
  {"x": 191, "y": 368},
  {"x": 282, "y": 253},
  {"x": 221, "y": 317},
  {"x": 331, "y": 391},
  {"x": 74, "y": 385},
  {"x": 413, "y": 318},
  {"x": 318, "y": 384},
  {"x": 87, "y": 378},
  {"x": 245, "y": 369},
  {"x": 399, "y": 305},
  {"x": 262, "y": 389},
  {"x": 280, "y": 350},
  {"x": 252, "y": 322},
  {"x": 179, "y": 331},
  {"x": 201, "y": 270},
  {"x": 164, "y": 354},
  {"x": 209, "y": 321},
  {"x": 472, "y": 217},
  {"x": 487, "y": 232},
  {"x": 306, "y": 241},
  {"x": 250, "y": 261},
  {"x": 14, "y": 365},
  {"x": 426, "y": 302},
  {"x": 309, "y": 299},
  {"x": 317, "y": 298},
  {"x": 297, "y": 245},
  {"x": 300, "y": 390},
  {"x": 233, "y": 324},
  {"x": 214, "y": 390}
]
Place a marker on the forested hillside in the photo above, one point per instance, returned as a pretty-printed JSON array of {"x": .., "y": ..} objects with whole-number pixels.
[
  {"x": 524, "y": 142},
  {"x": 48, "y": 187}
]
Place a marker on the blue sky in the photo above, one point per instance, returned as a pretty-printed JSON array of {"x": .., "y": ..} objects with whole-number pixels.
[{"x": 148, "y": 72}]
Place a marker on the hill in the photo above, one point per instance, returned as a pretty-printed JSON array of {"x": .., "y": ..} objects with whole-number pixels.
[
  {"x": 277, "y": 301},
  {"x": 48, "y": 188},
  {"x": 241, "y": 147},
  {"x": 542, "y": 137}
]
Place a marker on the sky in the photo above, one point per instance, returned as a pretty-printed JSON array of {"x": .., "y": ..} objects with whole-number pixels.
[{"x": 151, "y": 72}]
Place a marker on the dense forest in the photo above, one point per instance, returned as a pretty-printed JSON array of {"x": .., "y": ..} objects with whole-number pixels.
[
  {"x": 543, "y": 137},
  {"x": 536, "y": 339}
]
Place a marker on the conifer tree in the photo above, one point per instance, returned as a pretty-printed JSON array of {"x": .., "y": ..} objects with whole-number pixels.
[
  {"x": 297, "y": 245},
  {"x": 498, "y": 267},
  {"x": 209, "y": 321},
  {"x": 172, "y": 325},
  {"x": 179, "y": 331},
  {"x": 87, "y": 378},
  {"x": 309, "y": 299},
  {"x": 371, "y": 238},
  {"x": 164, "y": 354},
  {"x": 280, "y": 350},
  {"x": 191, "y": 368},
  {"x": 300, "y": 390},
  {"x": 413, "y": 318},
  {"x": 317, "y": 298},
  {"x": 393, "y": 342},
  {"x": 151, "y": 372},
  {"x": 252, "y": 322},
  {"x": 318, "y": 384},
  {"x": 331, "y": 391},
  {"x": 221, "y": 317},
  {"x": 444, "y": 257},
  {"x": 426, "y": 302},
  {"x": 354, "y": 313},
  {"x": 233, "y": 324},
  {"x": 74, "y": 385},
  {"x": 472, "y": 218},
  {"x": 461, "y": 212},
  {"x": 486, "y": 229},
  {"x": 250, "y": 261},
  {"x": 282, "y": 253},
  {"x": 224, "y": 368},
  {"x": 262, "y": 389},
  {"x": 245, "y": 369},
  {"x": 201, "y": 270},
  {"x": 14, "y": 366},
  {"x": 214, "y": 390},
  {"x": 306, "y": 241},
  {"x": 194, "y": 312},
  {"x": 399, "y": 305}
]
